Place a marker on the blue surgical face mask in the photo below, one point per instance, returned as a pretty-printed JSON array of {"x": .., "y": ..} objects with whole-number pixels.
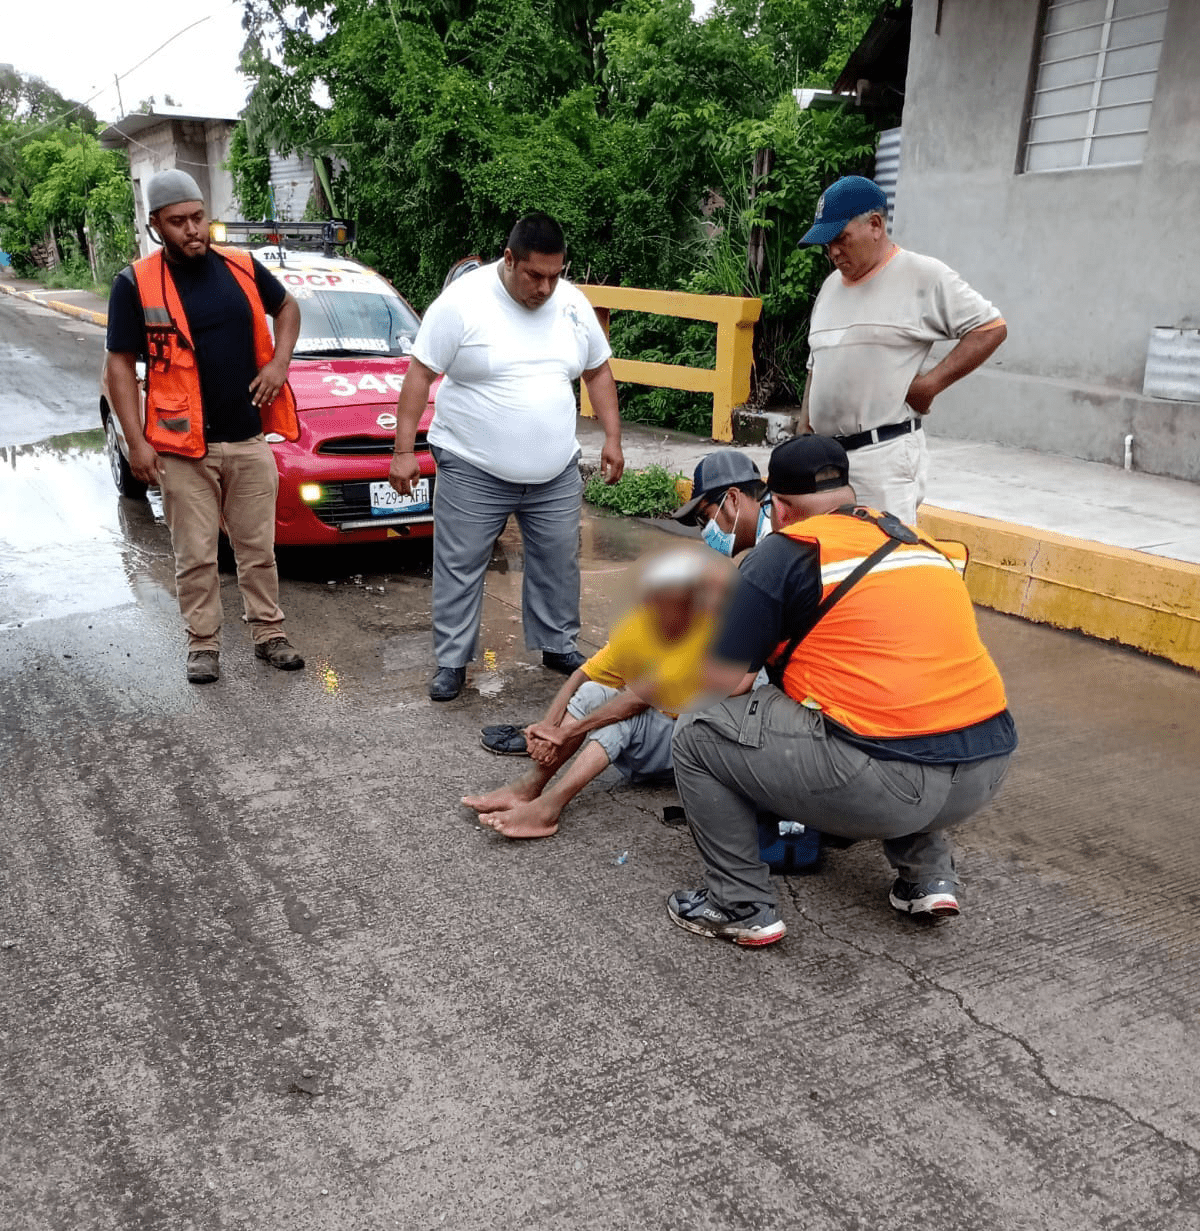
[
  {"x": 764, "y": 521},
  {"x": 719, "y": 540}
]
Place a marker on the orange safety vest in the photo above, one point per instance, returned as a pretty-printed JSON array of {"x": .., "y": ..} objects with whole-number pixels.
[
  {"x": 900, "y": 654},
  {"x": 174, "y": 403}
]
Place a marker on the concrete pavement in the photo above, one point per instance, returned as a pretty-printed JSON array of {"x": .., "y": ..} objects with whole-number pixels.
[{"x": 259, "y": 970}]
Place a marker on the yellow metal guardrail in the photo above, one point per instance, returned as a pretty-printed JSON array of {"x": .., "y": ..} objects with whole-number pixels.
[{"x": 728, "y": 381}]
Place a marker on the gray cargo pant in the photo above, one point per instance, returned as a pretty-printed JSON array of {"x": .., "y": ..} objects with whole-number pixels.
[
  {"x": 764, "y": 751},
  {"x": 470, "y": 509},
  {"x": 640, "y": 747}
]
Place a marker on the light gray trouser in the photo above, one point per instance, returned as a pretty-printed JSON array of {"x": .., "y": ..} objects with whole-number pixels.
[
  {"x": 640, "y": 747},
  {"x": 763, "y": 750},
  {"x": 470, "y": 509}
]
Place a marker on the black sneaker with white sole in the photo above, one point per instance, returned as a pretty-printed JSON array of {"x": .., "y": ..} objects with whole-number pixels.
[
  {"x": 937, "y": 898},
  {"x": 751, "y": 924}
]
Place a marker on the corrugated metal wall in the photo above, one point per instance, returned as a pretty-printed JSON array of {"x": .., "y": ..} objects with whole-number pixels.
[
  {"x": 292, "y": 183},
  {"x": 887, "y": 165}
]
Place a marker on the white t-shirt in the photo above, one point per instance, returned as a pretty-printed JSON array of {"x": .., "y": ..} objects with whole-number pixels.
[
  {"x": 868, "y": 339},
  {"x": 507, "y": 404}
]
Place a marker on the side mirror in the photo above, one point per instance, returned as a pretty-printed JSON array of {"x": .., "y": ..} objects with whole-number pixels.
[{"x": 465, "y": 266}]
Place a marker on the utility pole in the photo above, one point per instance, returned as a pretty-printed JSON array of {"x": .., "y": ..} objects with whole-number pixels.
[{"x": 120, "y": 104}]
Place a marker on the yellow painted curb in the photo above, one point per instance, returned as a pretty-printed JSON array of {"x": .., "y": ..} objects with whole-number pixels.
[
  {"x": 97, "y": 318},
  {"x": 58, "y": 305},
  {"x": 1132, "y": 597}
]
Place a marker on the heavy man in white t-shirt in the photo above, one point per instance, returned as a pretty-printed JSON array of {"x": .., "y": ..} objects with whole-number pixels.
[
  {"x": 873, "y": 325},
  {"x": 511, "y": 338}
]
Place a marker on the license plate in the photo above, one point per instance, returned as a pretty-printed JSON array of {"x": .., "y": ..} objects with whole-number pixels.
[{"x": 385, "y": 499}]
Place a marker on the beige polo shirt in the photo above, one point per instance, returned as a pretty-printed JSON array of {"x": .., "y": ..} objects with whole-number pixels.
[{"x": 868, "y": 339}]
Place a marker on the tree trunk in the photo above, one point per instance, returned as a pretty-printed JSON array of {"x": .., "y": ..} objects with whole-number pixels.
[{"x": 756, "y": 254}]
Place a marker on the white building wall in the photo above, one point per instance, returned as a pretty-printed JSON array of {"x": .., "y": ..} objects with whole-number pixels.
[{"x": 1083, "y": 263}]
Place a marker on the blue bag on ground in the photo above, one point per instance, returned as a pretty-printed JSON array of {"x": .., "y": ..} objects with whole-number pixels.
[{"x": 787, "y": 846}]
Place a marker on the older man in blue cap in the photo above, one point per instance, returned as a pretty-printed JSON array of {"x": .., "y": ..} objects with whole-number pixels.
[{"x": 873, "y": 325}]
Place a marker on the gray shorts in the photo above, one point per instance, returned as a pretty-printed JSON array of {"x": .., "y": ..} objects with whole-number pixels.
[{"x": 640, "y": 747}]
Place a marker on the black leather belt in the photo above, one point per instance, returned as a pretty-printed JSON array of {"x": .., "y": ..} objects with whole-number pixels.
[{"x": 877, "y": 435}]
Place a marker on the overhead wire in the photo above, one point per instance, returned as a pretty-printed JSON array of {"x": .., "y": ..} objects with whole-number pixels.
[{"x": 121, "y": 77}]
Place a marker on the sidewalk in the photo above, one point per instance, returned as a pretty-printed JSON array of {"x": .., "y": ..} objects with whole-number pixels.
[
  {"x": 1075, "y": 544},
  {"x": 83, "y": 304}
]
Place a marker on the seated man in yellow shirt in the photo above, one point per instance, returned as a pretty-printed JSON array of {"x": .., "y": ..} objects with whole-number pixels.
[{"x": 620, "y": 707}]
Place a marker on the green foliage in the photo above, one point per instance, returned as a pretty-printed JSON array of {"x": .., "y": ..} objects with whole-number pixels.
[
  {"x": 62, "y": 183},
  {"x": 250, "y": 169},
  {"x": 638, "y": 493},
  {"x": 633, "y": 123}
]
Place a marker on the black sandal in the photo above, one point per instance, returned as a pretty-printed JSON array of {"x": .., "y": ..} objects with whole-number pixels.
[{"x": 505, "y": 740}]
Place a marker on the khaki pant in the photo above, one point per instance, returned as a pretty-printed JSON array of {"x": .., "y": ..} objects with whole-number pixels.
[
  {"x": 891, "y": 477},
  {"x": 233, "y": 486}
]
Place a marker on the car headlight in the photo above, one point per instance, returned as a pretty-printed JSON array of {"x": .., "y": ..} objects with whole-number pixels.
[
  {"x": 311, "y": 493},
  {"x": 217, "y": 232}
]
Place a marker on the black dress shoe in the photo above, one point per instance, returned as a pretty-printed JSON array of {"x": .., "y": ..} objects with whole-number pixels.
[
  {"x": 447, "y": 683},
  {"x": 563, "y": 663}
]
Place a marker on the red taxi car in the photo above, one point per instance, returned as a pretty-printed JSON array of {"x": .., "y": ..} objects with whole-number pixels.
[{"x": 356, "y": 332}]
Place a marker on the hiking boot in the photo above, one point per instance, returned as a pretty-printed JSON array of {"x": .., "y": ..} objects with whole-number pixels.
[
  {"x": 203, "y": 667},
  {"x": 564, "y": 664},
  {"x": 751, "y": 924},
  {"x": 447, "y": 683},
  {"x": 279, "y": 653},
  {"x": 935, "y": 898}
]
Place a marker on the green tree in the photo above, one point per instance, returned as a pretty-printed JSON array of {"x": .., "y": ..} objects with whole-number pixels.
[
  {"x": 633, "y": 123},
  {"x": 60, "y": 181}
]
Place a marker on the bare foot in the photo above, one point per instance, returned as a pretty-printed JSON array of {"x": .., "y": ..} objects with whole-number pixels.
[
  {"x": 510, "y": 796},
  {"x": 527, "y": 820}
]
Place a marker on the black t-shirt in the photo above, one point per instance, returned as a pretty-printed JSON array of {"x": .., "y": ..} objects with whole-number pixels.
[
  {"x": 222, "y": 328},
  {"x": 779, "y": 590}
]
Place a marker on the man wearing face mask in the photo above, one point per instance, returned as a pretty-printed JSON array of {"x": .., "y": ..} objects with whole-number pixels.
[{"x": 727, "y": 492}]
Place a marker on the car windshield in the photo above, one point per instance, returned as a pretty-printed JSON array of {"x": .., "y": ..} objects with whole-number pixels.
[{"x": 354, "y": 323}]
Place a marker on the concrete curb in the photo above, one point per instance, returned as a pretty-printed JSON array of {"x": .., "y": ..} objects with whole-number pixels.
[
  {"x": 1140, "y": 600},
  {"x": 58, "y": 305}
]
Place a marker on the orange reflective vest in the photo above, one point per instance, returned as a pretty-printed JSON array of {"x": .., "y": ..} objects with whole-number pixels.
[
  {"x": 900, "y": 654},
  {"x": 174, "y": 403}
]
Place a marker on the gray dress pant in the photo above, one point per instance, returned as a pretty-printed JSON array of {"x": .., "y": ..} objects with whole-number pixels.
[
  {"x": 764, "y": 751},
  {"x": 470, "y": 510}
]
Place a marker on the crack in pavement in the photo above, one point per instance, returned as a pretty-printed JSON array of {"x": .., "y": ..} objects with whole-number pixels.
[{"x": 921, "y": 978}]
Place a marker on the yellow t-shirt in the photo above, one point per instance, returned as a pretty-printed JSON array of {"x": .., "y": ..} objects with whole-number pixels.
[{"x": 666, "y": 674}]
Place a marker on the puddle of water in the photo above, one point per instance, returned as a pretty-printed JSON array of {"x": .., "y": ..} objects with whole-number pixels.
[{"x": 68, "y": 544}]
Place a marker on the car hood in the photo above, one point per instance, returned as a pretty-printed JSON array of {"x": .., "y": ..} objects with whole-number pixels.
[{"x": 354, "y": 382}]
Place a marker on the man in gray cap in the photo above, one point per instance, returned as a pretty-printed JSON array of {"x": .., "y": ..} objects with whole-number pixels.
[
  {"x": 873, "y": 325},
  {"x": 216, "y": 381},
  {"x": 727, "y": 492}
]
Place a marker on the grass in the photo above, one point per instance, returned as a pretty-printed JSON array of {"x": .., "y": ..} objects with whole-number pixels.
[{"x": 639, "y": 493}]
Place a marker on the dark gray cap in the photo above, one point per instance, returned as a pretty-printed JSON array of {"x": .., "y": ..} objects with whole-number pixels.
[
  {"x": 169, "y": 188},
  {"x": 717, "y": 472}
]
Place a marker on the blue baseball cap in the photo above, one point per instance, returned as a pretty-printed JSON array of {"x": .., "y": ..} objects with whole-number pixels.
[{"x": 843, "y": 200}]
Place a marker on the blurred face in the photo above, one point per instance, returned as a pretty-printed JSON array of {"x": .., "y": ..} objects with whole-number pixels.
[
  {"x": 673, "y": 611},
  {"x": 859, "y": 248},
  {"x": 184, "y": 230},
  {"x": 532, "y": 280}
]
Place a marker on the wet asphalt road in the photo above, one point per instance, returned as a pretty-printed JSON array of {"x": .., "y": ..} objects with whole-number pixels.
[{"x": 260, "y": 970}]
